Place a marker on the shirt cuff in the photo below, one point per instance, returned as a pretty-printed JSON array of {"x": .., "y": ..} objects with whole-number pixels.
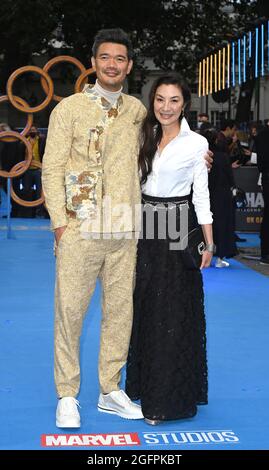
[
  {"x": 57, "y": 222},
  {"x": 205, "y": 219}
]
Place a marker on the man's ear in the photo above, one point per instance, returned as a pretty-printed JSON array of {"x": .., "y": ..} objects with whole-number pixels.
[
  {"x": 130, "y": 66},
  {"x": 93, "y": 63}
]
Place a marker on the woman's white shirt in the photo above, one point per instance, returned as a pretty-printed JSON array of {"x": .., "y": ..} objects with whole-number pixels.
[{"x": 180, "y": 165}]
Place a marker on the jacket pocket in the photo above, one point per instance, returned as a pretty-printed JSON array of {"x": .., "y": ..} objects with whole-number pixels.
[{"x": 81, "y": 195}]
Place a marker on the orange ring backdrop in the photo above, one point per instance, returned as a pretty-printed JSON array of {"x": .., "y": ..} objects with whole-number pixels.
[
  {"x": 20, "y": 104},
  {"x": 29, "y": 117},
  {"x": 56, "y": 60},
  {"x": 20, "y": 201},
  {"x": 82, "y": 78},
  {"x": 26, "y": 162},
  {"x": 16, "y": 74}
]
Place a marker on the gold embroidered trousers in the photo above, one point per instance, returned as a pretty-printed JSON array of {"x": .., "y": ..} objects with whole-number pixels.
[{"x": 79, "y": 262}]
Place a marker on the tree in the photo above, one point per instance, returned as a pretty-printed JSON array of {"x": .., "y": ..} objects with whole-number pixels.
[
  {"x": 175, "y": 33},
  {"x": 25, "y": 27},
  {"x": 243, "y": 109}
]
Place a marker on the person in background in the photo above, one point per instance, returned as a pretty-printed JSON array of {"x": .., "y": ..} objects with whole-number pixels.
[
  {"x": 3, "y": 127},
  {"x": 221, "y": 182},
  {"x": 228, "y": 143},
  {"x": 226, "y": 135},
  {"x": 254, "y": 129},
  {"x": 32, "y": 177},
  {"x": 253, "y": 132},
  {"x": 262, "y": 147},
  {"x": 11, "y": 153},
  {"x": 202, "y": 118}
]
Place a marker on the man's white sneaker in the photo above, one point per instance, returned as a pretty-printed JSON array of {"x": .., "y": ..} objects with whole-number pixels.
[
  {"x": 220, "y": 263},
  {"x": 120, "y": 404},
  {"x": 67, "y": 414}
]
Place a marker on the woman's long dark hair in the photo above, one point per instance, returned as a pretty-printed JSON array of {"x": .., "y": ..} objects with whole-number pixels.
[{"x": 151, "y": 128}]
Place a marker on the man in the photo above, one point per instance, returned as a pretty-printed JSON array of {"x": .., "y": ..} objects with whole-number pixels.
[
  {"x": 229, "y": 144},
  {"x": 226, "y": 135},
  {"x": 91, "y": 156},
  {"x": 262, "y": 147},
  {"x": 202, "y": 118},
  {"x": 33, "y": 175},
  {"x": 11, "y": 153}
]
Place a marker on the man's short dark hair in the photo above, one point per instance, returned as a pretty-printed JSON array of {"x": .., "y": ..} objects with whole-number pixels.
[
  {"x": 116, "y": 35},
  {"x": 225, "y": 123}
]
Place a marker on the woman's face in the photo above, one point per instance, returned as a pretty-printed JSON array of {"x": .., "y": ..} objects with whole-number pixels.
[{"x": 168, "y": 104}]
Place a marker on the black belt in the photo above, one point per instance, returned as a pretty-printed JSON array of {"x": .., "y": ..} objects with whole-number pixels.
[{"x": 167, "y": 202}]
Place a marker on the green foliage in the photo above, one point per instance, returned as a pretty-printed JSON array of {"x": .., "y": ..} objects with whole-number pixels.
[
  {"x": 26, "y": 26},
  {"x": 174, "y": 33}
]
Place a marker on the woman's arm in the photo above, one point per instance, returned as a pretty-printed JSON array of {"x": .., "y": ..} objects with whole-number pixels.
[
  {"x": 200, "y": 196},
  {"x": 201, "y": 203},
  {"x": 208, "y": 253}
]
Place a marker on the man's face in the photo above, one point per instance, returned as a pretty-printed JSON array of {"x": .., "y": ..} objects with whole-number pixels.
[
  {"x": 112, "y": 65},
  {"x": 202, "y": 118},
  {"x": 33, "y": 131},
  {"x": 230, "y": 131}
]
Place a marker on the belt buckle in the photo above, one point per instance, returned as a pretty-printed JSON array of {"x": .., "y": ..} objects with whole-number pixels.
[{"x": 183, "y": 203}]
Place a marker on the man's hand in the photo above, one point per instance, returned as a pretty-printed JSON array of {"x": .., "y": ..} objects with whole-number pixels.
[
  {"x": 58, "y": 233},
  {"x": 209, "y": 159},
  {"x": 236, "y": 164}
]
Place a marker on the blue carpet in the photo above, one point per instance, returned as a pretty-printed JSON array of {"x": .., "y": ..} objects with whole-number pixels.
[
  {"x": 252, "y": 240},
  {"x": 238, "y": 350}
]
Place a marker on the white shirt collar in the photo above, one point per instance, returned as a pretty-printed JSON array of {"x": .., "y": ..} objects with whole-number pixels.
[{"x": 184, "y": 128}]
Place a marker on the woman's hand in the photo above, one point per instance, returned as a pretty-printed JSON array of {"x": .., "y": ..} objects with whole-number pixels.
[
  {"x": 209, "y": 159},
  {"x": 206, "y": 259}
]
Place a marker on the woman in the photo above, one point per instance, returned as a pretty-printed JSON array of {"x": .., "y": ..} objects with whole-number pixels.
[
  {"x": 221, "y": 182},
  {"x": 166, "y": 365}
]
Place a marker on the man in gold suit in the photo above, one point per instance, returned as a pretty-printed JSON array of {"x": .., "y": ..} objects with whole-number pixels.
[{"x": 91, "y": 156}]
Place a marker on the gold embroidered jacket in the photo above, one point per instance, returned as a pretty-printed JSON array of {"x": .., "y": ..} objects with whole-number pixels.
[{"x": 91, "y": 155}]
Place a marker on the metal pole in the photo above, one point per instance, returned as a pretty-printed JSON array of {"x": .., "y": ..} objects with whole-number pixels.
[
  {"x": 9, "y": 231},
  {"x": 258, "y": 98},
  {"x": 229, "y": 104}
]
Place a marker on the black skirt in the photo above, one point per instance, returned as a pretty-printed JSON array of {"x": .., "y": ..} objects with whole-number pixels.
[{"x": 166, "y": 367}]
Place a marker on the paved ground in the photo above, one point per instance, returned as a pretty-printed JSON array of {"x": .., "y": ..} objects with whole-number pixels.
[{"x": 245, "y": 257}]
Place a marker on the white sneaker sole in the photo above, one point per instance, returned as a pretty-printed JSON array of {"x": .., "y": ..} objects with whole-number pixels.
[
  {"x": 68, "y": 424},
  {"x": 118, "y": 413}
]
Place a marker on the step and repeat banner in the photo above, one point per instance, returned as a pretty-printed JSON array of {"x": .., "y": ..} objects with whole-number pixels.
[{"x": 249, "y": 217}]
